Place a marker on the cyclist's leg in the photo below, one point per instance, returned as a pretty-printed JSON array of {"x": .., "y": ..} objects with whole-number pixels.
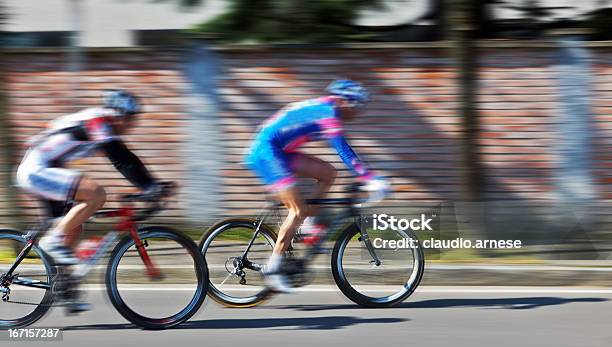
[
  {"x": 57, "y": 210},
  {"x": 61, "y": 185},
  {"x": 272, "y": 166},
  {"x": 305, "y": 165},
  {"x": 64, "y": 185},
  {"x": 86, "y": 198},
  {"x": 89, "y": 197},
  {"x": 296, "y": 207},
  {"x": 290, "y": 197}
]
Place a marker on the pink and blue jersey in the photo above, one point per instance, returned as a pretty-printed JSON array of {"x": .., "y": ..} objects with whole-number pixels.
[{"x": 275, "y": 145}]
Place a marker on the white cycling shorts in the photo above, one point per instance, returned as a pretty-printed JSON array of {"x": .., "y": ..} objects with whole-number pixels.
[{"x": 53, "y": 183}]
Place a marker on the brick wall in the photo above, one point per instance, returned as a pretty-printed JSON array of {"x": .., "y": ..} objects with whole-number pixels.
[{"x": 410, "y": 132}]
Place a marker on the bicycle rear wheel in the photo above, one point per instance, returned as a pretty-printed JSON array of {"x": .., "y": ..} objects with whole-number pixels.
[
  {"x": 157, "y": 302},
  {"x": 235, "y": 275},
  {"x": 377, "y": 285},
  {"x": 30, "y": 285}
]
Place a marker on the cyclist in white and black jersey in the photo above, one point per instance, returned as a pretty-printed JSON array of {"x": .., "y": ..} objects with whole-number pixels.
[{"x": 68, "y": 193}]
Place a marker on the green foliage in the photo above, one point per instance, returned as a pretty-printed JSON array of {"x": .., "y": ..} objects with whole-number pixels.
[
  {"x": 535, "y": 17},
  {"x": 288, "y": 21}
]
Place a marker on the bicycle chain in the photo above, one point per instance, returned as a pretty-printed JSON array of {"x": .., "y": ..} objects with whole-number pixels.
[
  {"x": 26, "y": 303},
  {"x": 6, "y": 298}
]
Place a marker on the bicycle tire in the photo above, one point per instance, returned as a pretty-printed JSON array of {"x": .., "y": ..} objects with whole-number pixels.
[
  {"x": 354, "y": 295},
  {"x": 120, "y": 305},
  {"x": 215, "y": 293}
]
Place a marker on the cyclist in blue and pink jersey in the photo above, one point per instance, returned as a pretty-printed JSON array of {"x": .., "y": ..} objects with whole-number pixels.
[{"x": 274, "y": 157}]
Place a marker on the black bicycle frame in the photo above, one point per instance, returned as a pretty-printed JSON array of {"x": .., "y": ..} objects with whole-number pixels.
[
  {"x": 30, "y": 237},
  {"x": 350, "y": 211}
]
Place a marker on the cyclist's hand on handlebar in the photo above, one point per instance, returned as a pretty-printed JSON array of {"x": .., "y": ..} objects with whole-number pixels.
[
  {"x": 158, "y": 190},
  {"x": 154, "y": 192},
  {"x": 377, "y": 189}
]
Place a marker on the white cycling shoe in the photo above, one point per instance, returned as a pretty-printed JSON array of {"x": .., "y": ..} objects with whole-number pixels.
[
  {"x": 278, "y": 283},
  {"x": 274, "y": 278},
  {"x": 61, "y": 254}
]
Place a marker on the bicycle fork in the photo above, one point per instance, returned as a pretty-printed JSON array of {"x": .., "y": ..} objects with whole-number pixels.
[
  {"x": 365, "y": 238},
  {"x": 141, "y": 247}
]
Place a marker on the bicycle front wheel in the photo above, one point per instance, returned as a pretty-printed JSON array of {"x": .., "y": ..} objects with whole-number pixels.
[
  {"x": 29, "y": 287},
  {"x": 236, "y": 251},
  {"x": 157, "y": 300},
  {"x": 372, "y": 284}
]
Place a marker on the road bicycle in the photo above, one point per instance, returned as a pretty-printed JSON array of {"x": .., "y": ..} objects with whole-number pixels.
[
  {"x": 147, "y": 259},
  {"x": 236, "y": 250}
]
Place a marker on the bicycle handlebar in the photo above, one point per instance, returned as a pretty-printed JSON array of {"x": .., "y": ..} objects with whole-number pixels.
[
  {"x": 152, "y": 197},
  {"x": 157, "y": 192}
]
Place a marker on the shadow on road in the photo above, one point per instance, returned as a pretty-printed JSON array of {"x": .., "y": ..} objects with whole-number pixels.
[
  {"x": 281, "y": 323},
  {"x": 501, "y": 303}
]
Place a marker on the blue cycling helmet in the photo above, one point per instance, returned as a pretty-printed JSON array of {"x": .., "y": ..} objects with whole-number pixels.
[
  {"x": 352, "y": 91},
  {"x": 122, "y": 101}
]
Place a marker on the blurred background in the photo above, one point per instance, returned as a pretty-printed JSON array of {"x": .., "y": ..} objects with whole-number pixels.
[{"x": 497, "y": 113}]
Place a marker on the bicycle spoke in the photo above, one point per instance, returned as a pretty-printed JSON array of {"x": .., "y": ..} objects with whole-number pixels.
[{"x": 226, "y": 278}]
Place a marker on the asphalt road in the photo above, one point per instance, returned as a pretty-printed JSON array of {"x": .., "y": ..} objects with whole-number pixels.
[{"x": 319, "y": 316}]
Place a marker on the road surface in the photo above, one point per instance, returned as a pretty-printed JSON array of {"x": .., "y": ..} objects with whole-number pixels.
[{"x": 320, "y": 316}]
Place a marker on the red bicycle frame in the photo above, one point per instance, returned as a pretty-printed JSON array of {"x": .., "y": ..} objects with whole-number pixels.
[{"x": 127, "y": 224}]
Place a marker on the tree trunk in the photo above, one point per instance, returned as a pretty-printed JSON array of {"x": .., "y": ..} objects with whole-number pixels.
[{"x": 463, "y": 30}]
